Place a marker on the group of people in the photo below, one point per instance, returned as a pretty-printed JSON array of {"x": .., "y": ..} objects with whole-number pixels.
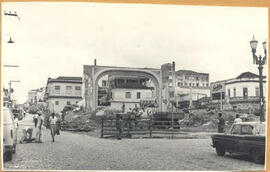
[
  {"x": 221, "y": 122},
  {"x": 34, "y": 134}
]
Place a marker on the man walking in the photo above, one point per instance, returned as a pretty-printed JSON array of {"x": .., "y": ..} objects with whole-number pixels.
[
  {"x": 221, "y": 123},
  {"x": 40, "y": 121},
  {"x": 52, "y": 122}
]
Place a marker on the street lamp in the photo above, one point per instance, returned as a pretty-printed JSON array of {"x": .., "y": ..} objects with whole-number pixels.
[{"x": 260, "y": 61}]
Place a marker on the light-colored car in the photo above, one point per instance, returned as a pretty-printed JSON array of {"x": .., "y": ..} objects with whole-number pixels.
[{"x": 9, "y": 145}]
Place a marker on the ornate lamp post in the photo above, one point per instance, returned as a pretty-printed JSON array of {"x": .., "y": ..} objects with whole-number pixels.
[{"x": 260, "y": 61}]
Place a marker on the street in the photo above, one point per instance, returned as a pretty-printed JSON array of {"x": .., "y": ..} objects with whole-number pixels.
[{"x": 73, "y": 151}]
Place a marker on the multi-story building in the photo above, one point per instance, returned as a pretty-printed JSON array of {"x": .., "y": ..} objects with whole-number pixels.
[
  {"x": 190, "y": 86},
  {"x": 241, "y": 92},
  {"x": 32, "y": 98},
  {"x": 36, "y": 96},
  {"x": 129, "y": 90},
  {"x": 63, "y": 91}
]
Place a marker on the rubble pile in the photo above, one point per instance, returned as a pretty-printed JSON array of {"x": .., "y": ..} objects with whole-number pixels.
[
  {"x": 78, "y": 121},
  {"x": 207, "y": 120}
]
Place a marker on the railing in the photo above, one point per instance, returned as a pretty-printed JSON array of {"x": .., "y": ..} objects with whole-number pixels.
[{"x": 128, "y": 126}]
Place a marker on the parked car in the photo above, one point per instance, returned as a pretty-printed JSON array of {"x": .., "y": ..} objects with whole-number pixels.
[
  {"x": 245, "y": 138},
  {"x": 18, "y": 113},
  {"x": 9, "y": 145}
]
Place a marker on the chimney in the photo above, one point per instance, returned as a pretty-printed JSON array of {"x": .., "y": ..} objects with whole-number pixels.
[{"x": 95, "y": 62}]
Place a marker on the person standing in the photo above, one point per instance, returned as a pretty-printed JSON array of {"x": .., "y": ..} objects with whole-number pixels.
[
  {"x": 221, "y": 123},
  {"x": 119, "y": 126},
  {"x": 52, "y": 122},
  {"x": 237, "y": 119},
  {"x": 123, "y": 108},
  {"x": 16, "y": 123},
  {"x": 40, "y": 121}
]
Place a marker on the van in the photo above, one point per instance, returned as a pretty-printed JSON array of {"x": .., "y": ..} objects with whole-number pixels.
[{"x": 9, "y": 145}]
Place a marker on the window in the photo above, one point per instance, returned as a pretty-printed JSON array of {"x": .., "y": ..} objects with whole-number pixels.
[
  {"x": 236, "y": 129},
  {"x": 245, "y": 92},
  {"x": 189, "y": 84},
  {"x": 77, "y": 88},
  {"x": 68, "y": 87},
  {"x": 57, "y": 87},
  {"x": 179, "y": 84},
  {"x": 229, "y": 93},
  {"x": 207, "y": 85},
  {"x": 56, "y": 102},
  {"x": 138, "y": 95},
  {"x": 257, "y": 91},
  {"x": 197, "y": 78},
  {"x": 185, "y": 84},
  {"x": 68, "y": 102},
  {"x": 206, "y": 79},
  {"x": 197, "y": 84},
  {"x": 104, "y": 83},
  {"x": 234, "y": 92},
  {"x": 247, "y": 130},
  {"x": 128, "y": 95}
]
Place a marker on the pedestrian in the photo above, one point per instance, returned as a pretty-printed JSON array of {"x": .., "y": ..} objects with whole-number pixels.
[
  {"x": 237, "y": 119},
  {"x": 119, "y": 126},
  {"x": 27, "y": 135},
  {"x": 35, "y": 119},
  {"x": 40, "y": 121},
  {"x": 52, "y": 122},
  {"x": 16, "y": 123},
  {"x": 123, "y": 108},
  {"x": 221, "y": 123}
]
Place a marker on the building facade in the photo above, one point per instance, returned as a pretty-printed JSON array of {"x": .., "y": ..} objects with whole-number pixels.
[
  {"x": 241, "y": 93},
  {"x": 130, "y": 91},
  {"x": 63, "y": 91},
  {"x": 190, "y": 86}
]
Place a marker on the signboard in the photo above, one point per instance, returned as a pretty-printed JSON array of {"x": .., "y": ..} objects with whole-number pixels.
[{"x": 218, "y": 87}]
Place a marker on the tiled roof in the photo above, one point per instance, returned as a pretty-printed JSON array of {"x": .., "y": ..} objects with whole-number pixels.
[
  {"x": 247, "y": 75},
  {"x": 190, "y": 72},
  {"x": 67, "y": 79}
]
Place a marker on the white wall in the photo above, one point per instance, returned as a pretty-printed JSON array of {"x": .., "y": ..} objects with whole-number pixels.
[
  {"x": 62, "y": 103},
  {"x": 251, "y": 86},
  {"x": 63, "y": 91},
  {"x": 120, "y": 94},
  {"x": 195, "y": 91}
]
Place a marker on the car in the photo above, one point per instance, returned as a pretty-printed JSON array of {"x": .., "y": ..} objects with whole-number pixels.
[
  {"x": 9, "y": 144},
  {"x": 245, "y": 138}
]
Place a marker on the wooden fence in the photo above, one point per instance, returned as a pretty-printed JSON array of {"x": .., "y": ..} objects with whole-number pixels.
[{"x": 128, "y": 127}]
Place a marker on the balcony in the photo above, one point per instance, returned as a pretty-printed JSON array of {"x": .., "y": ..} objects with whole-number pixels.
[{"x": 244, "y": 99}]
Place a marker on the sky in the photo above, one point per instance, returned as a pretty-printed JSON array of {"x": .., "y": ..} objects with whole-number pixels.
[{"x": 57, "y": 39}]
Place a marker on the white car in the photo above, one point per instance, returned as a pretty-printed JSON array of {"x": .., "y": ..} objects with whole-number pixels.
[{"x": 9, "y": 144}]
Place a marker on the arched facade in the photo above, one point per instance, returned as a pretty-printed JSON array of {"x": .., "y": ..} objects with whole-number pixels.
[{"x": 93, "y": 73}]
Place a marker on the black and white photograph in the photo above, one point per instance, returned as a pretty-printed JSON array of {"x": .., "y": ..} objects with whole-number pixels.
[{"x": 129, "y": 86}]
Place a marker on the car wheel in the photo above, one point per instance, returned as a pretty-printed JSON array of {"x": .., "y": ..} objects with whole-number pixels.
[
  {"x": 220, "y": 150},
  {"x": 8, "y": 156},
  {"x": 257, "y": 156}
]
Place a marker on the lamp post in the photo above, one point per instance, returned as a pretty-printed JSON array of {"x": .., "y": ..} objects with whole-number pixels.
[{"x": 260, "y": 61}]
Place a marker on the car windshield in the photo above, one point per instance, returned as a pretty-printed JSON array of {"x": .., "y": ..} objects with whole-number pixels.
[{"x": 7, "y": 116}]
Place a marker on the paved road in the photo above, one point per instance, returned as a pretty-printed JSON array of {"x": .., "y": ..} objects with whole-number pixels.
[{"x": 73, "y": 151}]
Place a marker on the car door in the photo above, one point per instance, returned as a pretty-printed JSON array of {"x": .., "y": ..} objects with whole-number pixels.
[
  {"x": 233, "y": 138},
  {"x": 244, "y": 143}
]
